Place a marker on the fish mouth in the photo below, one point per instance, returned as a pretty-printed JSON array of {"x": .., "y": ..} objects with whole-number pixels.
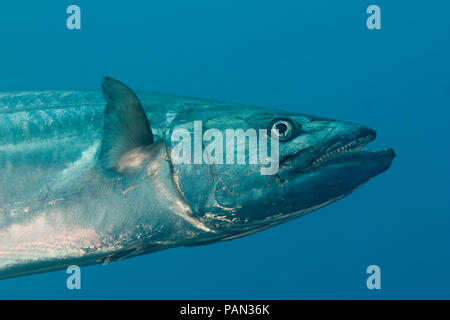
[
  {"x": 342, "y": 151},
  {"x": 347, "y": 151}
]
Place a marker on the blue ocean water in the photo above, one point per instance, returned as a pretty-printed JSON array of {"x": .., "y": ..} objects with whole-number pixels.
[{"x": 314, "y": 57}]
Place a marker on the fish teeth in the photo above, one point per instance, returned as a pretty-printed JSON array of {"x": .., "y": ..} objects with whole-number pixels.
[{"x": 354, "y": 145}]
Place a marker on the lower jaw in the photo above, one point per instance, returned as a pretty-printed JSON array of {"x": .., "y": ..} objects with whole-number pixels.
[
  {"x": 335, "y": 179},
  {"x": 350, "y": 156},
  {"x": 376, "y": 161}
]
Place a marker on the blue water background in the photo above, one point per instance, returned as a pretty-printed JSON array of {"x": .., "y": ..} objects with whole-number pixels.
[{"x": 313, "y": 57}]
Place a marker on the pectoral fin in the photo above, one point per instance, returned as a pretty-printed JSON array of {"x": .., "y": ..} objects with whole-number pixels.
[
  {"x": 115, "y": 257},
  {"x": 126, "y": 126}
]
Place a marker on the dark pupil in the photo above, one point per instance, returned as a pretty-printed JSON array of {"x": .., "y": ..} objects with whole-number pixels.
[{"x": 282, "y": 127}]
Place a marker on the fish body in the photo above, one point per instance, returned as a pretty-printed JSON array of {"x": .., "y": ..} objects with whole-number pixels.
[{"x": 90, "y": 177}]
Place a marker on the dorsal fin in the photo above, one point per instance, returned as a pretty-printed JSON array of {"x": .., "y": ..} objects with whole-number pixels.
[{"x": 126, "y": 126}]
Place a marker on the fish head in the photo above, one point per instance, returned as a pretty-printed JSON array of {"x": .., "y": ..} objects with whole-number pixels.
[
  {"x": 239, "y": 168},
  {"x": 302, "y": 163}
]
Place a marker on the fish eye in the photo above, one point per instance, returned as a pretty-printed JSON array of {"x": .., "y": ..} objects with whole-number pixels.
[{"x": 285, "y": 128}]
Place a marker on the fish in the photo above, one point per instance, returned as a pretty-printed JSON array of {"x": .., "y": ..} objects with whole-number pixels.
[{"x": 91, "y": 177}]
